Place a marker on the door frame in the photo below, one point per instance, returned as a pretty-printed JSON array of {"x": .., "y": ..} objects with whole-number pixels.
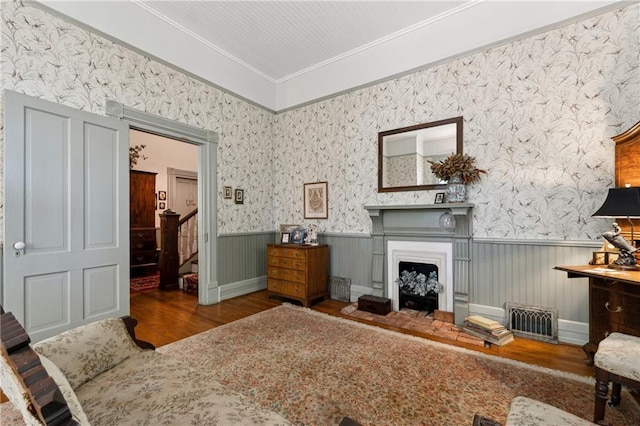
[
  {"x": 207, "y": 143},
  {"x": 172, "y": 175}
]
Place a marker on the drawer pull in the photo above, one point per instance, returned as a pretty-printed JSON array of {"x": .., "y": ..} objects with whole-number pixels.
[{"x": 618, "y": 309}]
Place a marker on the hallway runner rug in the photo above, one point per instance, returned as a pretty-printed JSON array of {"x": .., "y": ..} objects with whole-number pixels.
[
  {"x": 315, "y": 369},
  {"x": 146, "y": 283}
]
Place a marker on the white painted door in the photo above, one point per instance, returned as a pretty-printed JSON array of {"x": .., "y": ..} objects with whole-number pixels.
[
  {"x": 67, "y": 205},
  {"x": 186, "y": 196}
]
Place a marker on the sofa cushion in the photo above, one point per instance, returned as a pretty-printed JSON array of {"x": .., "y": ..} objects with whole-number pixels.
[
  {"x": 67, "y": 391},
  {"x": 84, "y": 352},
  {"x": 529, "y": 412},
  {"x": 151, "y": 388}
]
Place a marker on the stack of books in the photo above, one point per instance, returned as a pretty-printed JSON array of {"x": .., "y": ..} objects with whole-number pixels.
[{"x": 489, "y": 330}]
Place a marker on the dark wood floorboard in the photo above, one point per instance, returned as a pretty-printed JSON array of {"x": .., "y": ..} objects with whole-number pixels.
[{"x": 165, "y": 317}]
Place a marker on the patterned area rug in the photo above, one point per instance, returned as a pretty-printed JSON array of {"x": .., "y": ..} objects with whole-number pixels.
[
  {"x": 314, "y": 369},
  {"x": 146, "y": 283}
]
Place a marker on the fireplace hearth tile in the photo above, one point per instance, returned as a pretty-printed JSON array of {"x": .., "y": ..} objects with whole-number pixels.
[{"x": 417, "y": 321}]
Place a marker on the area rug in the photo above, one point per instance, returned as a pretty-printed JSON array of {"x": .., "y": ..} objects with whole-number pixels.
[
  {"x": 314, "y": 369},
  {"x": 146, "y": 283}
]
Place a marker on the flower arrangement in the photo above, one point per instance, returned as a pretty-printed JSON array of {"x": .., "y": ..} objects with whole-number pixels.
[
  {"x": 412, "y": 282},
  {"x": 461, "y": 165},
  {"x": 135, "y": 152}
]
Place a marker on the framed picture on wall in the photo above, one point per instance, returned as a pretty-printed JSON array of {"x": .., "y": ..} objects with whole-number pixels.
[
  {"x": 239, "y": 196},
  {"x": 227, "y": 192},
  {"x": 162, "y": 195},
  {"x": 316, "y": 200},
  {"x": 161, "y": 205}
]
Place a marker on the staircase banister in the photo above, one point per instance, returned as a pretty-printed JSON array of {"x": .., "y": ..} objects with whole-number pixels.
[{"x": 188, "y": 216}]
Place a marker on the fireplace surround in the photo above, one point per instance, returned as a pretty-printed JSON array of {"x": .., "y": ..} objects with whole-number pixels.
[{"x": 412, "y": 233}]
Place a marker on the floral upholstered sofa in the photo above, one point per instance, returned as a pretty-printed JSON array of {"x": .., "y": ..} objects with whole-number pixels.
[{"x": 106, "y": 378}]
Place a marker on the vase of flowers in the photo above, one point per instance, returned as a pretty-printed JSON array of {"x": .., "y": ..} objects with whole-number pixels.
[
  {"x": 412, "y": 282},
  {"x": 458, "y": 170}
]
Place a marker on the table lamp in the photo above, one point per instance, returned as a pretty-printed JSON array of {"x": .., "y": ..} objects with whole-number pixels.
[{"x": 622, "y": 202}]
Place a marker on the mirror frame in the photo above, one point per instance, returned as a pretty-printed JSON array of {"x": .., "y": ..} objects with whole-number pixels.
[{"x": 455, "y": 120}]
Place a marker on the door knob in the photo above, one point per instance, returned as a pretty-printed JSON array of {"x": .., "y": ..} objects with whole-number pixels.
[{"x": 19, "y": 245}]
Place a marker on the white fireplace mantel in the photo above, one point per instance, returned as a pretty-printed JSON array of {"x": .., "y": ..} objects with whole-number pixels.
[{"x": 421, "y": 222}]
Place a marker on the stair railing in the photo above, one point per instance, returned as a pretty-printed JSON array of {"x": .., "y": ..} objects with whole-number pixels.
[
  {"x": 188, "y": 237},
  {"x": 178, "y": 243}
]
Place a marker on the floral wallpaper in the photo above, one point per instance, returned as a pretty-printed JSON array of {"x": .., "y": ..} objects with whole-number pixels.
[
  {"x": 46, "y": 57},
  {"x": 539, "y": 113}
]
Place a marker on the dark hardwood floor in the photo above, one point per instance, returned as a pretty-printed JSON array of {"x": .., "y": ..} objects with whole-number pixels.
[{"x": 167, "y": 316}]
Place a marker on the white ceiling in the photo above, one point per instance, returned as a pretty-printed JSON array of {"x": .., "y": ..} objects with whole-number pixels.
[
  {"x": 280, "y": 39},
  {"x": 280, "y": 54}
]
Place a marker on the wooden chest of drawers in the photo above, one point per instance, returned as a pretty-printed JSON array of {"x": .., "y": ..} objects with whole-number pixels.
[
  {"x": 297, "y": 272},
  {"x": 143, "y": 247}
]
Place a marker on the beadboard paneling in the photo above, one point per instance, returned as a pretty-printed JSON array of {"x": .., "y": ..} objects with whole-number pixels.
[
  {"x": 523, "y": 273},
  {"x": 243, "y": 256},
  {"x": 350, "y": 256}
]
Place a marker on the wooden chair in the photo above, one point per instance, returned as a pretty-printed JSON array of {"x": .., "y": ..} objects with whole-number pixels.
[{"x": 617, "y": 360}]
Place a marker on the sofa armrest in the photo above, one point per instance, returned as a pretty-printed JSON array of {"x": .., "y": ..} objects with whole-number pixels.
[
  {"x": 87, "y": 351},
  {"x": 25, "y": 379},
  {"x": 131, "y": 324}
]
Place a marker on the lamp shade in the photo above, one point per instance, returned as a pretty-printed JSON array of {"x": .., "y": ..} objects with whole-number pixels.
[{"x": 621, "y": 202}]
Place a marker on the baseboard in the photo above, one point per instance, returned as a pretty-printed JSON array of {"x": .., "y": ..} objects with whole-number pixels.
[
  {"x": 358, "y": 290},
  {"x": 572, "y": 332},
  {"x": 240, "y": 288}
]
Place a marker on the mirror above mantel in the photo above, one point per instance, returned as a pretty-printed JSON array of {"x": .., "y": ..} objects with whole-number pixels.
[{"x": 404, "y": 154}]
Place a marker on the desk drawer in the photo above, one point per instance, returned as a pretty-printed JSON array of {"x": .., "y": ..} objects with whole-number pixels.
[{"x": 613, "y": 307}]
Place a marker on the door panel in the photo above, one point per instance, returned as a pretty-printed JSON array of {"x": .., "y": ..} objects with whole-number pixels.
[
  {"x": 45, "y": 183},
  {"x": 100, "y": 290},
  {"x": 55, "y": 288},
  {"x": 67, "y": 178},
  {"x": 100, "y": 187}
]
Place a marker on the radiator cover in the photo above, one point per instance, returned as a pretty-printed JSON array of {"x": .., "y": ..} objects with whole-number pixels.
[
  {"x": 340, "y": 288},
  {"x": 533, "y": 322}
]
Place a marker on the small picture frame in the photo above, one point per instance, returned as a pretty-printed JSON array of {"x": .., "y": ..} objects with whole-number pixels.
[
  {"x": 162, "y": 195},
  {"x": 287, "y": 229},
  {"x": 239, "y": 196},
  {"x": 162, "y": 205},
  {"x": 439, "y": 198},
  {"x": 284, "y": 238},
  {"x": 227, "y": 192},
  {"x": 316, "y": 200},
  {"x": 297, "y": 236}
]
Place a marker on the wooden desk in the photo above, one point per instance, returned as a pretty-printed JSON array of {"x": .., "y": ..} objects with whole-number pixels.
[{"x": 614, "y": 302}]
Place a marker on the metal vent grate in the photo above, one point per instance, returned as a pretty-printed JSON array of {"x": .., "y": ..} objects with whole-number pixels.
[
  {"x": 533, "y": 322},
  {"x": 340, "y": 288}
]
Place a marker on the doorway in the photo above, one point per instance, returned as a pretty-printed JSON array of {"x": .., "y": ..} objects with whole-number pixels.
[
  {"x": 206, "y": 143},
  {"x": 172, "y": 168}
]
